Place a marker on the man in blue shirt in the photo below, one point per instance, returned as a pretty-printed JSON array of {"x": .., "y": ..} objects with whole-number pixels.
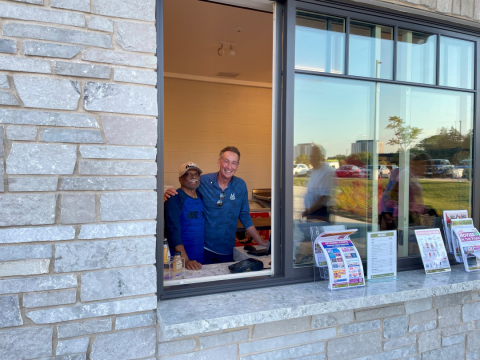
[
  {"x": 185, "y": 218},
  {"x": 225, "y": 199}
]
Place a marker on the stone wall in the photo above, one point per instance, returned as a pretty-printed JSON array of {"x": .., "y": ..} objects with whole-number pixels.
[
  {"x": 77, "y": 178},
  {"x": 77, "y": 205},
  {"x": 440, "y": 328}
]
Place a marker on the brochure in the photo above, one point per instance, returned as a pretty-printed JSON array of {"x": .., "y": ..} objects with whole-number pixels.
[
  {"x": 344, "y": 263},
  {"x": 381, "y": 255},
  {"x": 448, "y": 215},
  {"x": 457, "y": 224},
  {"x": 333, "y": 234},
  {"x": 315, "y": 231},
  {"x": 432, "y": 249},
  {"x": 469, "y": 241}
]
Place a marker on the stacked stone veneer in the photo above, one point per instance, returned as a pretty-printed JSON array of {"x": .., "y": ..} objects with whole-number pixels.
[
  {"x": 78, "y": 132},
  {"x": 77, "y": 178},
  {"x": 444, "y": 327}
]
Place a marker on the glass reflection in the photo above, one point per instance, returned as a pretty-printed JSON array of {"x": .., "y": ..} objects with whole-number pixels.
[
  {"x": 416, "y": 53},
  {"x": 456, "y": 62},
  {"x": 370, "y": 50},
  {"x": 382, "y": 157},
  {"x": 320, "y": 43}
]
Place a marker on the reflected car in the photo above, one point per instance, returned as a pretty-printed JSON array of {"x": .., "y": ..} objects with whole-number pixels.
[
  {"x": 383, "y": 171},
  {"x": 300, "y": 169},
  {"x": 348, "y": 171},
  {"x": 466, "y": 165},
  {"x": 440, "y": 168}
]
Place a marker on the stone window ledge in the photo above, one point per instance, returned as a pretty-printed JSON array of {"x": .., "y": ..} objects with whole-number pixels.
[{"x": 202, "y": 314}]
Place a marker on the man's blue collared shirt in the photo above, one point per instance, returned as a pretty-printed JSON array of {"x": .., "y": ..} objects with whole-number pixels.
[{"x": 221, "y": 221}]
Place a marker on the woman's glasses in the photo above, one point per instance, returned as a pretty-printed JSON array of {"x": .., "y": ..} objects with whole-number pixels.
[{"x": 222, "y": 196}]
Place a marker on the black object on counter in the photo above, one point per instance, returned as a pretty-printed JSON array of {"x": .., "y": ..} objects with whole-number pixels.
[
  {"x": 246, "y": 266},
  {"x": 249, "y": 248}
]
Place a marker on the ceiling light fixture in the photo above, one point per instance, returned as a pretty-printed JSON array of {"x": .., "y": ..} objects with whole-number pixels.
[{"x": 223, "y": 45}]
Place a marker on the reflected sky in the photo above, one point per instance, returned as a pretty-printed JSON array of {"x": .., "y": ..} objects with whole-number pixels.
[{"x": 336, "y": 112}]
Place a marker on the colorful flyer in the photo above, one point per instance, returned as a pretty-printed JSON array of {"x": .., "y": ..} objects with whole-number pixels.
[
  {"x": 457, "y": 224},
  {"x": 381, "y": 255},
  {"x": 330, "y": 234},
  {"x": 448, "y": 215},
  {"x": 315, "y": 231},
  {"x": 344, "y": 263},
  {"x": 469, "y": 242},
  {"x": 432, "y": 249}
]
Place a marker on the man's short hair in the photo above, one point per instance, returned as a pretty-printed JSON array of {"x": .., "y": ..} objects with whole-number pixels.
[{"x": 231, "y": 149}]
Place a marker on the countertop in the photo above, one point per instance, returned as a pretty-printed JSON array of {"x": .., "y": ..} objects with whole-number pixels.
[
  {"x": 201, "y": 314},
  {"x": 222, "y": 269}
]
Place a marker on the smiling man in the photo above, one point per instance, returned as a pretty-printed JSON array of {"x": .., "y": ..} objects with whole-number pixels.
[
  {"x": 185, "y": 218},
  {"x": 225, "y": 198}
]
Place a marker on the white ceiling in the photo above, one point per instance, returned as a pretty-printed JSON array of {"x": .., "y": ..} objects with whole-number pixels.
[{"x": 193, "y": 30}]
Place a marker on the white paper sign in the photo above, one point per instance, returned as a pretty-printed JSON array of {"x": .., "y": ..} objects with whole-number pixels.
[
  {"x": 381, "y": 254},
  {"x": 432, "y": 249}
]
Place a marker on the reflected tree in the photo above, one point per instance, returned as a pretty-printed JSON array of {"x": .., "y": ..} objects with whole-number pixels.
[
  {"x": 405, "y": 135},
  {"x": 447, "y": 144},
  {"x": 302, "y": 159}
]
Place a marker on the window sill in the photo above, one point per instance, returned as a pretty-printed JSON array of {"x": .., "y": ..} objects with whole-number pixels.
[{"x": 202, "y": 314}]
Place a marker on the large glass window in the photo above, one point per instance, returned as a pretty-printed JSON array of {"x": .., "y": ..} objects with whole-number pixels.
[
  {"x": 320, "y": 43},
  {"x": 456, "y": 62},
  {"x": 416, "y": 53},
  {"x": 382, "y": 156},
  {"x": 370, "y": 50}
]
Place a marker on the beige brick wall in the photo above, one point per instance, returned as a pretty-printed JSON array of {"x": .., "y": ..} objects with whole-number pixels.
[{"x": 201, "y": 118}]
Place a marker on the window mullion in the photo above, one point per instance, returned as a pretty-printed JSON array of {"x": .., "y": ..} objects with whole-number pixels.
[
  {"x": 437, "y": 80},
  {"x": 395, "y": 42}
]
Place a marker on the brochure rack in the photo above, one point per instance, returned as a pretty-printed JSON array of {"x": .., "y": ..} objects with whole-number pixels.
[
  {"x": 448, "y": 215},
  {"x": 468, "y": 240},
  {"x": 345, "y": 269},
  {"x": 456, "y": 224}
]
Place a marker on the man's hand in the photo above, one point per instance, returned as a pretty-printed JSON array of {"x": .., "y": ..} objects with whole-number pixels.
[
  {"x": 168, "y": 193},
  {"x": 193, "y": 265},
  {"x": 256, "y": 236}
]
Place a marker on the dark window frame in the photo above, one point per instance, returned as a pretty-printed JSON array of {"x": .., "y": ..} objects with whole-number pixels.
[{"x": 282, "y": 92}]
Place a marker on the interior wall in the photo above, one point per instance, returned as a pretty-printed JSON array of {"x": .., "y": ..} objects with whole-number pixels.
[{"x": 201, "y": 118}]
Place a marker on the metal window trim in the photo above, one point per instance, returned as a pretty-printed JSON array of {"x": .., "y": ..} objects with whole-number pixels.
[
  {"x": 279, "y": 261},
  {"x": 387, "y": 18},
  {"x": 385, "y": 81},
  {"x": 160, "y": 147}
]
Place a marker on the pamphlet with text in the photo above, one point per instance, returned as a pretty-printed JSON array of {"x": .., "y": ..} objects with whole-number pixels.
[
  {"x": 320, "y": 260},
  {"x": 343, "y": 259},
  {"x": 458, "y": 224},
  {"x": 381, "y": 255},
  {"x": 432, "y": 249},
  {"x": 448, "y": 215},
  {"x": 469, "y": 243}
]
